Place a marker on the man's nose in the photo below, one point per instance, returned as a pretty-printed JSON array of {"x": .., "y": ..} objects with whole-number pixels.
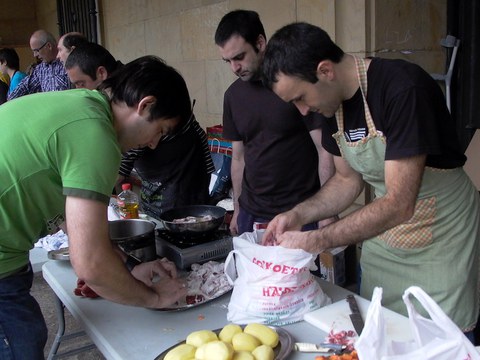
[
  {"x": 235, "y": 66},
  {"x": 304, "y": 109},
  {"x": 153, "y": 144}
]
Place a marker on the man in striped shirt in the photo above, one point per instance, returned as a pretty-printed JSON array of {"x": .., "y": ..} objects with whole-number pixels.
[
  {"x": 50, "y": 74},
  {"x": 175, "y": 173}
]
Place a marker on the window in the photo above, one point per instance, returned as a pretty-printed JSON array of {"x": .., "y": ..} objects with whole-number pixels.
[{"x": 80, "y": 16}]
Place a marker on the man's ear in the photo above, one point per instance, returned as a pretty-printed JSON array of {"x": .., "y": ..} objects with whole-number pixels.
[
  {"x": 102, "y": 73},
  {"x": 325, "y": 69},
  {"x": 261, "y": 43},
  {"x": 144, "y": 106}
]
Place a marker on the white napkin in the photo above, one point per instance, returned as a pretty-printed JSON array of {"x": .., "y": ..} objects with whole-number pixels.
[{"x": 59, "y": 240}]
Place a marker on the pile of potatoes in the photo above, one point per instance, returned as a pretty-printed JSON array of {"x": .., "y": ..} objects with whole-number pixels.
[{"x": 254, "y": 342}]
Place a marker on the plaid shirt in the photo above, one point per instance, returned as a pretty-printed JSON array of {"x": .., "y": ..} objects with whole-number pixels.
[{"x": 45, "y": 77}]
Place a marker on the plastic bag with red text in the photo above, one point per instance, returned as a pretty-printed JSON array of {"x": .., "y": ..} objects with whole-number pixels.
[{"x": 272, "y": 284}]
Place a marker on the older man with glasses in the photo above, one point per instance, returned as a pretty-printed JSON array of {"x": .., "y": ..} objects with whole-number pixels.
[{"x": 50, "y": 74}]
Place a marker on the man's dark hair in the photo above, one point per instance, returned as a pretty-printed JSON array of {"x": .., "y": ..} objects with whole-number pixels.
[
  {"x": 150, "y": 76},
  {"x": 74, "y": 40},
  {"x": 11, "y": 57},
  {"x": 296, "y": 50},
  {"x": 89, "y": 57},
  {"x": 245, "y": 23}
]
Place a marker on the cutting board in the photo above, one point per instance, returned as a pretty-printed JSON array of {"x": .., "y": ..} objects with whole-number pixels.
[{"x": 336, "y": 316}]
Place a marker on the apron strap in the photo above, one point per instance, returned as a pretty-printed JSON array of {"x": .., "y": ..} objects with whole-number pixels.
[{"x": 362, "y": 80}]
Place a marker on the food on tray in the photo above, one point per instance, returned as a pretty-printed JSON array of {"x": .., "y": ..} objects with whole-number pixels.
[
  {"x": 206, "y": 282},
  {"x": 216, "y": 349},
  {"x": 193, "y": 219},
  {"x": 228, "y": 331},
  {"x": 244, "y": 346},
  {"x": 181, "y": 352},
  {"x": 243, "y": 355},
  {"x": 265, "y": 334},
  {"x": 263, "y": 352},
  {"x": 200, "y": 337},
  {"x": 245, "y": 342}
]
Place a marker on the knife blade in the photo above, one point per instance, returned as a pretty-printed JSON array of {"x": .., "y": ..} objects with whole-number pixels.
[
  {"x": 324, "y": 348},
  {"x": 355, "y": 316}
]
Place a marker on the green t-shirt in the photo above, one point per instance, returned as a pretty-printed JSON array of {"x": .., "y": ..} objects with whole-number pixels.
[{"x": 53, "y": 144}]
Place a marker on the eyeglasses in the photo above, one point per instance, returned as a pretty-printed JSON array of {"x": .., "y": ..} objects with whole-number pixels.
[{"x": 40, "y": 48}]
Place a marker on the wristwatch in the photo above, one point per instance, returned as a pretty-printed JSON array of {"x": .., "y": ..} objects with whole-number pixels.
[{"x": 131, "y": 262}]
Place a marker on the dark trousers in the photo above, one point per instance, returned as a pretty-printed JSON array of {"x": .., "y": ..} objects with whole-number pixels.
[{"x": 23, "y": 332}]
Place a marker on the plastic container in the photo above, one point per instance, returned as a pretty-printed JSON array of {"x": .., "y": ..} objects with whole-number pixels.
[{"x": 127, "y": 202}]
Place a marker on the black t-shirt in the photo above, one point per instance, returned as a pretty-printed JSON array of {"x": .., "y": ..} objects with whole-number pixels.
[
  {"x": 281, "y": 160},
  {"x": 409, "y": 108},
  {"x": 174, "y": 174}
]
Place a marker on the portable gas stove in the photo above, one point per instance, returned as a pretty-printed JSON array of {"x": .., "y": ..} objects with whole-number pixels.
[{"x": 185, "y": 251}]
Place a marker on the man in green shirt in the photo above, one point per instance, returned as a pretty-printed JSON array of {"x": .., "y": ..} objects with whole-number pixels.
[{"x": 60, "y": 157}]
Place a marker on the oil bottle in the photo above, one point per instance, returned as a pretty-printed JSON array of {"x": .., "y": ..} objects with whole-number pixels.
[{"x": 127, "y": 202}]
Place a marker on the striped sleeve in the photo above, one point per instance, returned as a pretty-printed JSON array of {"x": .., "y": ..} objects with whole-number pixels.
[
  {"x": 206, "y": 151},
  {"x": 128, "y": 161}
]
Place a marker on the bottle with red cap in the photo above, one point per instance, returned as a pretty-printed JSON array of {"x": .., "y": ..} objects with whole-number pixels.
[{"x": 127, "y": 202}]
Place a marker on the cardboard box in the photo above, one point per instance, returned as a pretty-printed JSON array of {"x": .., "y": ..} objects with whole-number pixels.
[{"x": 332, "y": 266}]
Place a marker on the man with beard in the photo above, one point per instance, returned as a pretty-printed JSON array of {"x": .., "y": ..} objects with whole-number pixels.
[{"x": 277, "y": 160}]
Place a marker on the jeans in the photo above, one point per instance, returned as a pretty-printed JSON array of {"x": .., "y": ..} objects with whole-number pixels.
[{"x": 23, "y": 332}]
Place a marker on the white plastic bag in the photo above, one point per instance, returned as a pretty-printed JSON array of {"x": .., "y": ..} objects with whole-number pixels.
[
  {"x": 272, "y": 284},
  {"x": 435, "y": 338}
]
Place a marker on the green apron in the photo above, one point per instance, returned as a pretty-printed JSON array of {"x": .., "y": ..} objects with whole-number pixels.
[{"x": 437, "y": 249}]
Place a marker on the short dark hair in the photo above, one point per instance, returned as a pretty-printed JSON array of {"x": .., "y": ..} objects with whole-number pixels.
[
  {"x": 74, "y": 40},
  {"x": 296, "y": 50},
  {"x": 150, "y": 76},
  {"x": 10, "y": 56},
  {"x": 89, "y": 57},
  {"x": 245, "y": 23}
]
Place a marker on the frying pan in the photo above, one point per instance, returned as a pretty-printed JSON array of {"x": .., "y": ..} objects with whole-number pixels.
[{"x": 197, "y": 228}]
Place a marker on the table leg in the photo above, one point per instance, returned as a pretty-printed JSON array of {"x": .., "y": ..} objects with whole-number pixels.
[{"x": 60, "y": 335}]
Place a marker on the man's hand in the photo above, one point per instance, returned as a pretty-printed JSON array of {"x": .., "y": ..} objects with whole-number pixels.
[
  {"x": 305, "y": 240},
  {"x": 150, "y": 272},
  {"x": 280, "y": 223},
  {"x": 169, "y": 291},
  {"x": 233, "y": 223},
  {"x": 161, "y": 276}
]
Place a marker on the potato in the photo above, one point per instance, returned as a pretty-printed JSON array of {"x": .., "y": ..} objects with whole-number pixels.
[
  {"x": 218, "y": 350},
  {"x": 200, "y": 337},
  {"x": 243, "y": 355},
  {"x": 200, "y": 353},
  {"x": 263, "y": 352},
  {"x": 265, "y": 334},
  {"x": 181, "y": 352},
  {"x": 245, "y": 342},
  {"x": 228, "y": 331}
]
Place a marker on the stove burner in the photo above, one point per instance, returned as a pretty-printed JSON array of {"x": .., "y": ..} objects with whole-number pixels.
[
  {"x": 185, "y": 251},
  {"x": 184, "y": 241}
]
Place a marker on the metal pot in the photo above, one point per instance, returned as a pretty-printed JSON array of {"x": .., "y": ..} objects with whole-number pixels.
[
  {"x": 197, "y": 228},
  {"x": 135, "y": 237}
]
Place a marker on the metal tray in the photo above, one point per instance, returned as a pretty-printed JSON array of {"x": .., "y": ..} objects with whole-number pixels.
[
  {"x": 184, "y": 306},
  {"x": 60, "y": 254},
  {"x": 282, "y": 350}
]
